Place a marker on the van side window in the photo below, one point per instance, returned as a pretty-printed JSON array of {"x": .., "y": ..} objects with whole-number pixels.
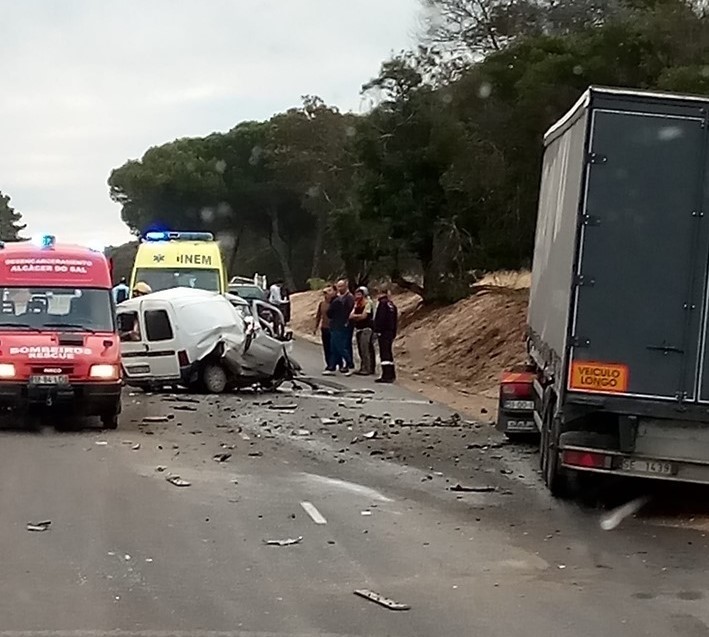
[
  {"x": 157, "y": 325},
  {"x": 128, "y": 326}
]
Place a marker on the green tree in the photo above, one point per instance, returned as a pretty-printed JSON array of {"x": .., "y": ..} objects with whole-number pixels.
[{"x": 10, "y": 221}]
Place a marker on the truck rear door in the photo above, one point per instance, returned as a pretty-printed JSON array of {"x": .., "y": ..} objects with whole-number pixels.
[{"x": 633, "y": 331}]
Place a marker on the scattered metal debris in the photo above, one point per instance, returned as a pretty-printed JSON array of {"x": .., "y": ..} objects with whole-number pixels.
[
  {"x": 222, "y": 457},
  {"x": 136, "y": 446},
  {"x": 39, "y": 527},
  {"x": 160, "y": 468},
  {"x": 288, "y": 407},
  {"x": 149, "y": 419},
  {"x": 328, "y": 421},
  {"x": 366, "y": 513},
  {"x": 381, "y": 600},
  {"x": 101, "y": 443},
  {"x": 459, "y": 488},
  {"x": 370, "y": 435},
  {"x": 256, "y": 454},
  {"x": 613, "y": 518},
  {"x": 287, "y": 542},
  {"x": 178, "y": 482},
  {"x": 184, "y": 408}
]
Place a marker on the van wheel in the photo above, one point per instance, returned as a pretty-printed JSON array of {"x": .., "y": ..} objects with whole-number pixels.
[{"x": 214, "y": 379}]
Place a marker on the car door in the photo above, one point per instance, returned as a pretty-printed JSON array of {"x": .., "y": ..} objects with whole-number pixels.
[
  {"x": 160, "y": 340},
  {"x": 264, "y": 350}
]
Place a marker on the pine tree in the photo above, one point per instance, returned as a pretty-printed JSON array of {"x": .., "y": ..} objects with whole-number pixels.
[{"x": 10, "y": 221}]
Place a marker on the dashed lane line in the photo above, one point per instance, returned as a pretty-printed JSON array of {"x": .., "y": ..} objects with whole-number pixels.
[{"x": 315, "y": 515}]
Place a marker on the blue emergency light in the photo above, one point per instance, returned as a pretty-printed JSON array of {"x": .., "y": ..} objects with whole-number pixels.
[
  {"x": 45, "y": 241},
  {"x": 168, "y": 235}
]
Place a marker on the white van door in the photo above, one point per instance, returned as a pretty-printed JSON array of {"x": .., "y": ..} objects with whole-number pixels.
[{"x": 160, "y": 339}]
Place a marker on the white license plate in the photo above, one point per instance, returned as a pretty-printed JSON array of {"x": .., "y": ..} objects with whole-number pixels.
[
  {"x": 651, "y": 467},
  {"x": 58, "y": 379},
  {"x": 522, "y": 405},
  {"x": 521, "y": 425},
  {"x": 135, "y": 370}
]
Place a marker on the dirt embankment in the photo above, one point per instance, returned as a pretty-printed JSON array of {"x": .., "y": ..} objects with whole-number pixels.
[{"x": 453, "y": 354}]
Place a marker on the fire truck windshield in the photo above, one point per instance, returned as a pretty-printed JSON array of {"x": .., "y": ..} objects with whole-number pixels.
[{"x": 61, "y": 308}]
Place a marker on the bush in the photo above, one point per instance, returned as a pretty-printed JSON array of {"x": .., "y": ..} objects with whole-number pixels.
[{"x": 316, "y": 283}]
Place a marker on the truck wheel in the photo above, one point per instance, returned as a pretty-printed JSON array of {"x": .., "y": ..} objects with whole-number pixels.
[
  {"x": 555, "y": 477},
  {"x": 214, "y": 379},
  {"x": 109, "y": 420}
]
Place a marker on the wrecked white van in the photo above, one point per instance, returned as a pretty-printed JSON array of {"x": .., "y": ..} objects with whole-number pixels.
[{"x": 196, "y": 339}]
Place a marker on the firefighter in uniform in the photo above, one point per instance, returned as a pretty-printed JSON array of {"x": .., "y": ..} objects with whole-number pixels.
[{"x": 385, "y": 323}]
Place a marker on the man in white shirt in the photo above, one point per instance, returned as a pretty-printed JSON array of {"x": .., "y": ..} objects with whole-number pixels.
[{"x": 274, "y": 295}]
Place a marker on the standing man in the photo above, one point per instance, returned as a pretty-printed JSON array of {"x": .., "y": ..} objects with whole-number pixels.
[
  {"x": 121, "y": 292},
  {"x": 386, "y": 319},
  {"x": 339, "y": 315},
  {"x": 285, "y": 303},
  {"x": 343, "y": 288},
  {"x": 362, "y": 318},
  {"x": 323, "y": 322},
  {"x": 274, "y": 294}
]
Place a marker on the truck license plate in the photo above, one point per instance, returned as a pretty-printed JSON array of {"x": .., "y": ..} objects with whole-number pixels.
[
  {"x": 651, "y": 467},
  {"x": 58, "y": 379}
]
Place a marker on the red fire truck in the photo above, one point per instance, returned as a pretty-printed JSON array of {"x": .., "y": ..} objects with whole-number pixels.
[{"x": 59, "y": 345}]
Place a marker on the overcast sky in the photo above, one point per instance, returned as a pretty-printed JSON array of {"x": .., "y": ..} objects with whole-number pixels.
[{"x": 88, "y": 84}]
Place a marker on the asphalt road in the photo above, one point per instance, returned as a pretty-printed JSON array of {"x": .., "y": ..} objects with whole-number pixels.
[{"x": 365, "y": 479}]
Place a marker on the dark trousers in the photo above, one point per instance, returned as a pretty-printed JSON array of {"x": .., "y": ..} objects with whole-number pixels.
[
  {"x": 325, "y": 336},
  {"x": 365, "y": 348},
  {"x": 386, "y": 354},
  {"x": 350, "y": 348},
  {"x": 339, "y": 352}
]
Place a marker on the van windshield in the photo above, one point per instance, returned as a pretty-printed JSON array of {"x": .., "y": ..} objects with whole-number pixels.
[
  {"x": 65, "y": 308},
  {"x": 168, "y": 278}
]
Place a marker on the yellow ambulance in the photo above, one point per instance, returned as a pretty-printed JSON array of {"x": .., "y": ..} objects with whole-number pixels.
[{"x": 167, "y": 259}]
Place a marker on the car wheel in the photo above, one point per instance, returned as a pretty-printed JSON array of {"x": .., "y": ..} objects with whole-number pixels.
[{"x": 214, "y": 379}]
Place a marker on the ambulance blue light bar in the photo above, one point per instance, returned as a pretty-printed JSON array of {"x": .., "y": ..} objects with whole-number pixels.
[
  {"x": 178, "y": 236},
  {"x": 45, "y": 241}
]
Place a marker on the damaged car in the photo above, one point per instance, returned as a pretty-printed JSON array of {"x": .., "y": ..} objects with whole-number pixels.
[{"x": 198, "y": 340}]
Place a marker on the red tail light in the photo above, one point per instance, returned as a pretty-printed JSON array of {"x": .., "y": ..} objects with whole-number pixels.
[
  {"x": 518, "y": 390},
  {"x": 588, "y": 459},
  {"x": 182, "y": 358}
]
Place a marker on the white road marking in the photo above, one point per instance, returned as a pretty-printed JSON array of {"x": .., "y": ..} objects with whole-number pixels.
[
  {"x": 316, "y": 516},
  {"x": 352, "y": 487}
]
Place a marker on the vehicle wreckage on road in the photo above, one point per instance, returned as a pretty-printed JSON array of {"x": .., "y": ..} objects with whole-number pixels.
[{"x": 200, "y": 340}]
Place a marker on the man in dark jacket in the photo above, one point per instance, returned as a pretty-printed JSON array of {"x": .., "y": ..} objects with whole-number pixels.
[
  {"x": 339, "y": 315},
  {"x": 386, "y": 319}
]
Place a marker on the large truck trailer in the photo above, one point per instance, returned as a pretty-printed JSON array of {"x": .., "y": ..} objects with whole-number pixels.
[{"x": 618, "y": 310}]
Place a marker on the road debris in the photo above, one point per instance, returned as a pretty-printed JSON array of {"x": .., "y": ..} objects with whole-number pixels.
[
  {"x": 222, "y": 457},
  {"x": 460, "y": 488},
  {"x": 184, "y": 408},
  {"x": 160, "y": 468},
  {"x": 366, "y": 513},
  {"x": 150, "y": 419},
  {"x": 370, "y": 435},
  {"x": 136, "y": 446},
  {"x": 288, "y": 407},
  {"x": 613, "y": 518},
  {"x": 178, "y": 482},
  {"x": 255, "y": 454},
  {"x": 101, "y": 443},
  {"x": 287, "y": 542},
  {"x": 39, "y": 527},
  {"x": 328, "y": 421},
  {"x": 381, "y": 600}
]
